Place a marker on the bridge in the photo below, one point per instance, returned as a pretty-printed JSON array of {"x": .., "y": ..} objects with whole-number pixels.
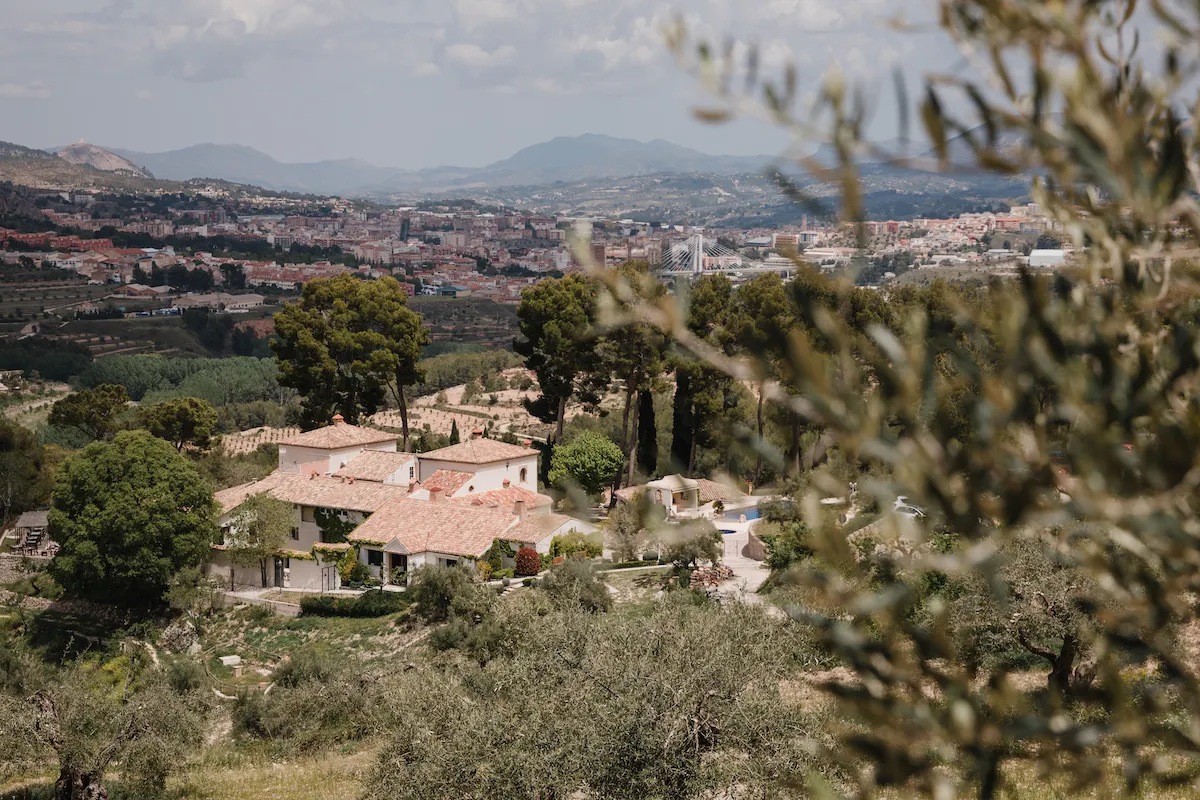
[{"x": 698, "y": 256}]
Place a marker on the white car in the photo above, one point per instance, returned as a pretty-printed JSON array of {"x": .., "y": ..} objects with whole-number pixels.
[{"x": 907, "y": 509}]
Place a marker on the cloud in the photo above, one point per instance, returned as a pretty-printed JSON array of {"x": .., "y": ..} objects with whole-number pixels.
[
  {"x": 143, "y": 94},
  {"x": 472, "y": 55},
  {"x": 531, "y": 45},
  {"x": 24, "y": 91}
]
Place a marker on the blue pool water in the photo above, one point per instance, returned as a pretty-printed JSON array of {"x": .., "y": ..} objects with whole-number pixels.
[{"x": 748, "y": 513}]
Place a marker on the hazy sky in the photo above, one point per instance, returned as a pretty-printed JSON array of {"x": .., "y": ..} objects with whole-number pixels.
[{"x": 411, "y": 83}]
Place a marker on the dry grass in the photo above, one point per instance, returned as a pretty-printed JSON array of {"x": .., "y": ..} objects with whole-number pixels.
[
  {"x": 638, "y": 585},
  {"x": 330, "y": 776},
  {"x": 227, "y": 775}
]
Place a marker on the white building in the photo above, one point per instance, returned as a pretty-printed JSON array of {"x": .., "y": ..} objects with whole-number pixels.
[
  {"x": 491, "y": 465},
  {"x": 408, "y": 510},
  {"x": 1047, "y": 258},
  {"x": 219, "y": 300},
  {"x": 326, "y": 450}
]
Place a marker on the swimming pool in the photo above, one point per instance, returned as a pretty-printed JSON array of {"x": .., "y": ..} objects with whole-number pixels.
[{"x": 749, "y": 513}]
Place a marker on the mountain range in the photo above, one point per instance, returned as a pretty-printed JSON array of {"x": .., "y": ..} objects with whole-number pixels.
[
  {"x": 565, "y": 159},
  {"x": 573, "y": 158}
]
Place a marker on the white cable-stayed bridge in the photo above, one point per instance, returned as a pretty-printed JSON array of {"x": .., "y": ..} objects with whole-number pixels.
[{"x": 698, "y": 256}]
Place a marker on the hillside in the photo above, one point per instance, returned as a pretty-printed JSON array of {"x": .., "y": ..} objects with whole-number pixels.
[
  {"x": 38, "y": 169},
  {"x": 98, "y": 158},
  {"x": 42, "y": 170},
  {"x": 16, "y": 152}
]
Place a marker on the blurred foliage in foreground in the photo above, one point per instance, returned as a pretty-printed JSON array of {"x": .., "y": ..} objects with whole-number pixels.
[{"x": 1069, "y": 501}]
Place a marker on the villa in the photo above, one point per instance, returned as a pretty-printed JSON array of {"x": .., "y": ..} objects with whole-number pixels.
[{"x": 405, "y": 510}]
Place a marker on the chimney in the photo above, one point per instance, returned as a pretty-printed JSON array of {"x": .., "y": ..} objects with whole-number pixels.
[
  {"x": 338, "y": 419},
  {"x": 519, "y": 510},
  {"x": 476, "y": 433},
  {"x": 412, "y": 486},
  {"x": 507, "y": 483},
  {"x": 435, "y": 494},
  {"x": 527, "y": 443},
  {"x": 351, "y": 480}
]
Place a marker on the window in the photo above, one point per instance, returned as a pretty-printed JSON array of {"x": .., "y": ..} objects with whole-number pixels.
[
  {"x": 524, "y": 474},
  {"x": 471, "y": 488},
  {"x": 375, "y": 558},
  {"x": 451, "y": 562},
  {"x": 306, "y": 514},
  {"x": 412, "y": 473},
  {"x": 295, "y": 534}
]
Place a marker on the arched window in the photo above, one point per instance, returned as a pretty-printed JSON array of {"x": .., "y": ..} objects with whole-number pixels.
[{"x": 524, "y": 473}]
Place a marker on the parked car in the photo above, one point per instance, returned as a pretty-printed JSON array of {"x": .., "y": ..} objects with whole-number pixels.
[{"x": 904, "y": 508}]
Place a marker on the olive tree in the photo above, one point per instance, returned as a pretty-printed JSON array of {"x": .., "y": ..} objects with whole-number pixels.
[
  {"x": 601, "y": 705},
  {"x": 1058, "y": 408},
  {"x": 93, "y": 720}
]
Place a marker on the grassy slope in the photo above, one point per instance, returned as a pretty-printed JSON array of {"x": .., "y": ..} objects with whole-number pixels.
[{"x": 225, "y": 775}]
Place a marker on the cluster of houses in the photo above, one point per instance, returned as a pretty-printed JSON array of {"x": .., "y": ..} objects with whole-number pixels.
[{"x": 407, "y": 510}]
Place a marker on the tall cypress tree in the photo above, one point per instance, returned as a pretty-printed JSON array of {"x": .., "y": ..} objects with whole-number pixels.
[
  {"x": 647, "y": 446},
  {"x": 683, "y": 418},
  {"x": 454, "y": 436}
]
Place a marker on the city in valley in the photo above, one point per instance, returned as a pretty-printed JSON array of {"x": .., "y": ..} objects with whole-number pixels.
[{"x": 580, "y": 400}]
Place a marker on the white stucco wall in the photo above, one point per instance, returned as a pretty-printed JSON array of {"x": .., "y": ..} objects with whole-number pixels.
[
  {"x": 293, "y": 459},
  {"x": 487, "y": 476},
  {"x": 401, "y": 476},
  {"x": 299, "y": 574}
]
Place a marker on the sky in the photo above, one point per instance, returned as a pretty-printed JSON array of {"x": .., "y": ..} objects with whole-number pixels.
[{"x": 418, "y": 83}]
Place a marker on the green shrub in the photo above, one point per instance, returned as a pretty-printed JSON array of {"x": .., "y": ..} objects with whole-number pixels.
[
  {"x": 494, "y": 556},
  {"x": 649, "y": 555},
  {"x": 439, "y": 592},
  {"x": 375, "y": 603},
  {"x": 317, "y": 700},
  {"x": 528, "y": 562},
  {"x": 186, "y": 675},
  {"x": 633, "y": 564},
  {"x": 357, "y": 575},
  {"x": 575, "y": 583},
  {"x": 568, "y": 544}
]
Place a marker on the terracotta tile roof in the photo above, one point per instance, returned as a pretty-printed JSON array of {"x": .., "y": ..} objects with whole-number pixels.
[
  {"x": 480, "y": 451},
  {"x": 338, "y": 435},
  {"x": 375, "y": 465},
  {"x": 234, "y": 496},
  {"x": 418, "y": 526},
  {"x": 505, "y": 498},
  {"x": 317, "y": 491},
  {"x": 536, "y": 527},
  {"x": 448, "y": 480},
  {"x": 714, "y": 490}
]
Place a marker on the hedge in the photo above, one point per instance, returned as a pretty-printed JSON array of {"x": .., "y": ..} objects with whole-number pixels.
[{"x": 369, "y": 604}]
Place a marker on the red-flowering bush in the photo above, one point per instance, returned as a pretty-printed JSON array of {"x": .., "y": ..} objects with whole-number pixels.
[{"x": 528, "y": 562}]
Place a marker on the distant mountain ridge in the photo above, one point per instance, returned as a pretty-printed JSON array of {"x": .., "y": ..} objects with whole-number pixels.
[
  {"x": 566, "y": 158},
  {"x": 241, "y": 164}
]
